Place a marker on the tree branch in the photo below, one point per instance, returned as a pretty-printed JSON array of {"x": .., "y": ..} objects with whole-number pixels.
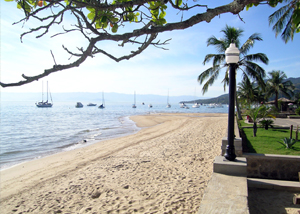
[{"x": 151, "y": 28}]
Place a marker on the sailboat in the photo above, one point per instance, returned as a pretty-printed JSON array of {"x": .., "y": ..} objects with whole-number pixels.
[
  {"x": 196, "y": 105},
  {"x": 133, "y": 105},
  {"x": 168, "y": 104},
  {"x": 45, "y": 104},
  {"x": 102, "y": 106}
]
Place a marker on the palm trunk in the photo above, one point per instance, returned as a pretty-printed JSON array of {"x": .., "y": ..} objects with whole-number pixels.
[
  {"x": 238, "y": 109},
  {"x": 276, "y": 100},
  {"x": 254, "y": 129}
]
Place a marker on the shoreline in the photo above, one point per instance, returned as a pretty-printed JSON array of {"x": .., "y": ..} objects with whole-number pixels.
[
  {"x": 77, "y": 144},
  {"x": 159, "y": 159}
]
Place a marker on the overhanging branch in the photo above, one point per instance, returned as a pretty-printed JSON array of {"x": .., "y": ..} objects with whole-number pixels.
[{"x": 235, "y": 7}]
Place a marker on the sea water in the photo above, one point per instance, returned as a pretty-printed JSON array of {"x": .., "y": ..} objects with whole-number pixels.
[{"x": 28, "y": 132}]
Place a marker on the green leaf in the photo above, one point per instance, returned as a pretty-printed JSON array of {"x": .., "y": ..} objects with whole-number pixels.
[
  {"x": 91, "y": 16},
  {"x": 98, "y": 25},
  {"x": 8, "y": 0},
  {"x": 178, "y": 2},
  {"x": 154, "y": 13},
  {"x": 105, "y": 24},
  {"x": 296, "y": 16},
  {"x": 91, "y": 9},
  {"x": 114, "y": 29},
  {"x": 104, "y": 19},
  {"x": 162, "y": 15}
]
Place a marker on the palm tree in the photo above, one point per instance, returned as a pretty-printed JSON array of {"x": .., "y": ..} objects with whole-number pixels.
[
  {"x": 276, "y": 85},
  {"x": 249, "y": 69},
  {"x": 247, "y": 91},
  {"x": 286, "y": 20}
]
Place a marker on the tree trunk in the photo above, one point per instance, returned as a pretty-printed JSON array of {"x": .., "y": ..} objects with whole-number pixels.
[
  {"x": 239, "y": 115},
  {"x": 254, "y": 129},
  {"x": 266, "y": 127},
  {"x": 276, "y": 100},
  {"x": 238, "y": 109}
]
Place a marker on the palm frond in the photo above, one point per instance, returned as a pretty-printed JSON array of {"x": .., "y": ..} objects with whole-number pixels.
[
  {"x": 219, "y": 44},
  {"x": 208, "y": 57},
  {"x": 255, "y": 72},
  {"x": 212, "y": 74},
  {"x": 289, "y": 31},
  {"x": 208, "y": 72},
  {"x": 278, "y": 14},
  {"x": 249, "y": 43},
  {"x": 259, "y": 57},
  {"x": 232, "y": 33},
  {"x": 218, "y": 59},
  {"x": 283, "y": 19},
  {"x": 225, "y": 81}
]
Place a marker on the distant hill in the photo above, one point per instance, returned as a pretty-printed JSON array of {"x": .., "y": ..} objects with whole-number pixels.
[
  {"x": 223, "y": 99},
  {"x": 296, "y": 82},
  {"x": 110, "y": 97}
]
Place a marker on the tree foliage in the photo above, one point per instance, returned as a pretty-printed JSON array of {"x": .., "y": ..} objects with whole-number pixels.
[
  {"x": 277, "y": 83},
  {"x": 246, "y": 64},
  {"x": 286, "y": 19}
]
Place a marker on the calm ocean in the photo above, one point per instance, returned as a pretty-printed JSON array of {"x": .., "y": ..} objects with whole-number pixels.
[{"x": 28, "y": 132}]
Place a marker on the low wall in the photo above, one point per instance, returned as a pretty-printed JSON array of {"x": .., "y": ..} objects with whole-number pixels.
[{"x": 278, "y": 167}]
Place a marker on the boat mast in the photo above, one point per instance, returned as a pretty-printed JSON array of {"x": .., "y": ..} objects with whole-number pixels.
[
  {"x": 103, "y": 99},
  {"x": 50, "y": 96},
  {"x": 42, "y": 91},
  {"x": 168, "y": 98},
  {"x": 47, "y": 91}
]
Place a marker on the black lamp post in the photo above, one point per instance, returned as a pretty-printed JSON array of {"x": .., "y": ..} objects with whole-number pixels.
[{"x": 232, "y": 57}]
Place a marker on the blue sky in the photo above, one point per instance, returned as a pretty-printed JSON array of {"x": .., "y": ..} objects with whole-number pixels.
[{"x": 155, "y": 71}]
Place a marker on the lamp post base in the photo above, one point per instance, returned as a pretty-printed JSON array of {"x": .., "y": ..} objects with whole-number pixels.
[{"x": 230, "y": 153}]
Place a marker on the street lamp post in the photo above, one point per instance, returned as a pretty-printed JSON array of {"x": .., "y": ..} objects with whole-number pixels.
[{"x": 232, "y": 57}]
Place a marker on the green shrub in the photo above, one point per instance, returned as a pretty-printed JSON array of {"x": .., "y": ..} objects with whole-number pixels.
[
  {"x": 266, "y": 123},
  {"x": 288, "y": 143},
  {"x": 297, "y": 111}
]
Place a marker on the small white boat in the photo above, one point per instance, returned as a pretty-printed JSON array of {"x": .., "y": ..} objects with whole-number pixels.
[
  {"x": 79, "y": 105},
  {"x": 182, "y": 105},
  {"x": 91, "y": 104},
  {"x": 196, "y": 105},
  {"x": 211, "y": 105}
]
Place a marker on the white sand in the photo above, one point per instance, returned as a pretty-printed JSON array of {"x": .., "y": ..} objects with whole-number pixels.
[{"x": 161, "y": 169}]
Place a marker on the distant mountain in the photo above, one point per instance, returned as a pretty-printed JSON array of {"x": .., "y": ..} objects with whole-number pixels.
[
  {"x": 296, "y": 82},
  {"x": 223, "y": 99},
  {"x": 110, "y": 97}
]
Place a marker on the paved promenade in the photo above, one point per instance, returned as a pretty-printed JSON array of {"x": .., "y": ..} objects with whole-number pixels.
[{"x": 286, "y": 122}]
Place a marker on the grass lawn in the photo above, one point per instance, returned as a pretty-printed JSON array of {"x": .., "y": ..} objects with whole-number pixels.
[{"x": 268, "y": 141}]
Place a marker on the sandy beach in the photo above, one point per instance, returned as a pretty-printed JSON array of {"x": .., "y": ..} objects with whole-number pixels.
[{"x": 163, "y": 168}]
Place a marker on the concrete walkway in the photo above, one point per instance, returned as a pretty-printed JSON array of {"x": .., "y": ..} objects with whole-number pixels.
[{"x": 287, "y": 122}]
